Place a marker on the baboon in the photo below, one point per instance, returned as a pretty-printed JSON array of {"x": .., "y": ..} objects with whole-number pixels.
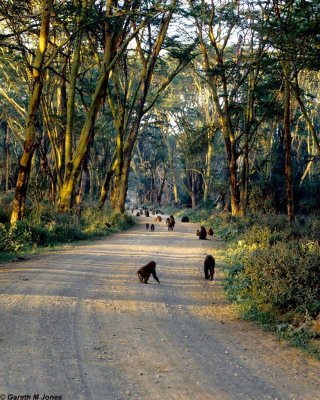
[
  {"x": 185, "y": 219},
  {"x": 210, "y": 232},
  {"x": 198, "y": 232},
  {"x": 138, "y": 214},
  {"x": 152, "y": 227},
  {"x": 171, "y": 223},
  {"x": 145, "y": 272},
  {"x": 147, "y": 213},
  {"x": 203, "y": 233},
  {"x": 147, "y": 226},
  {"x": 209, "y": 264}
]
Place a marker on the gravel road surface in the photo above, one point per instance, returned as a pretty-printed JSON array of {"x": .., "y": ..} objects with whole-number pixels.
[{"x": 77, "y": 325}]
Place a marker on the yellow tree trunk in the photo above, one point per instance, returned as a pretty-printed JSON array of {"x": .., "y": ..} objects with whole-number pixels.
[{"x": 29, "y": 143}]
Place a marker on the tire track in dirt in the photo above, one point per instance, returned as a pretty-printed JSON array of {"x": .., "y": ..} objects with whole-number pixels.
[{"x": 77, "y": 323}]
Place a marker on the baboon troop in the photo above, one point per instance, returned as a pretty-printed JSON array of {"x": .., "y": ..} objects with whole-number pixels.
[
  {"x": 145, "y": 272},
  {"x": 209, "y": 264},
  {"x": 149, "y": 269},
  {"x": 203, "y": 233}
]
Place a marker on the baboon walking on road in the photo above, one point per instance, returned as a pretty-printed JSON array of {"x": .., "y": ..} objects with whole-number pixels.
[
  {"x": 145, "y": 272},
  {"x": 209, "y": 264}
]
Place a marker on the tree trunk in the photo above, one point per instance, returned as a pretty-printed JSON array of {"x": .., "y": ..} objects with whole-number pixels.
[
  {"x": 120, "y": 188},
  {"x": 207, "y": 174},
  {"x": 193, "y": 191},
  {"x": 7, "y": 147},
  {"x": 74, "y": 166},
  {"x": 288, "y": 139},
  {"x": 71, "y": 96},
  {"x": 29, "y": 144},
  {"x": 159, "y": 196},
  {"x": 244, "y": 192}
]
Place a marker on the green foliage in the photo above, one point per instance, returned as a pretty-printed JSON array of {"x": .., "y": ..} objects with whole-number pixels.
[
  {"x": 261, "y": 200},
  {"x": 19, "y": 236},
  {"x": 44, "y": 227},
  {"x": 284, "y": 276},
  {"x": 275, "y": 275},
  {"x": 3, "y": 237}
]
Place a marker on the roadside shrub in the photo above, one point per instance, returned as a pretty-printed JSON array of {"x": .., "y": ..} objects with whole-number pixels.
[
  {"x": 3, "y": 237},
  {"x": 44, "y": 227},
  {"x": 258, "y": 236},
  {"x": 19, "y": 237},
  {"x": 285, "y": 276},
  {"x": 314, "y": 228}
]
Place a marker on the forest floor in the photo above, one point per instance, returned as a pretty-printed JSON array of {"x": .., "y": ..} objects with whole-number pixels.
[{"x": 78, "y": 324}]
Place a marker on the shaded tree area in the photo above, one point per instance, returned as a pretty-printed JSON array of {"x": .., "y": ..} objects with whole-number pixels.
[{"x": 194, "y": 103}]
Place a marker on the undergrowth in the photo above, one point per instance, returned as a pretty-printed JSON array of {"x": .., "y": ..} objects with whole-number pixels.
[
  {"x": 43, "y": 227},
  {"x": 274, "y": 278}
]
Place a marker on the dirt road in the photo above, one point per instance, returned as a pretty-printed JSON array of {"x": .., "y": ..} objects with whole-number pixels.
[{"x": 77, "y": 324}]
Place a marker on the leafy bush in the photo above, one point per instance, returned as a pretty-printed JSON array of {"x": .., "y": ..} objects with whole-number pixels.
[
  {"x": 44, "y": 227},
  {"x": 284, "y": 276},
  {"x": 3, "y": 237},
  {"x": 19, "y": 237},
  {"x": 275, "y": 275}
]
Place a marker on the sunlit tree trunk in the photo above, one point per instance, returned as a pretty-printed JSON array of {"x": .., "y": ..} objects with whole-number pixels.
[
  {"x": 244, "y": 191},
  {"x": 207, "y": 174},
  {"x": 7, "y": 149},
  {"x": 160, "y": 193},
  {"x": 193, "y": 191},
  {"x": 73, "y": 168},
  {"x": 71, "y": 96},
  {"x": 30, "y": 136}
]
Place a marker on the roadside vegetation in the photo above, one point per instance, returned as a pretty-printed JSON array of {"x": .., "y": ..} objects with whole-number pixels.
[
  {"x": 272, "y": 271},
  {"x": 43, "y": 227}
]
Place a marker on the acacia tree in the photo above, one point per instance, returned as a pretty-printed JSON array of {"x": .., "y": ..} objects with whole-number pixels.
[
  {"x": 37, "y": 72},
  {"x": 133, "y": 103},
  {"x": 291, "y": 32},
  {"x": 116, "y": 37},
  {"x": 213, "y": 41}
]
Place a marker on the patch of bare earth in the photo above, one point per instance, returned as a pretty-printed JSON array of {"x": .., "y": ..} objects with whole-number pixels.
[{"x": 77, "y": 323}]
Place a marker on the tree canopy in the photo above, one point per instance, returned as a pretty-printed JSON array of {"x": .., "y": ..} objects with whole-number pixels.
[{"x": 183, "y": 102}]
